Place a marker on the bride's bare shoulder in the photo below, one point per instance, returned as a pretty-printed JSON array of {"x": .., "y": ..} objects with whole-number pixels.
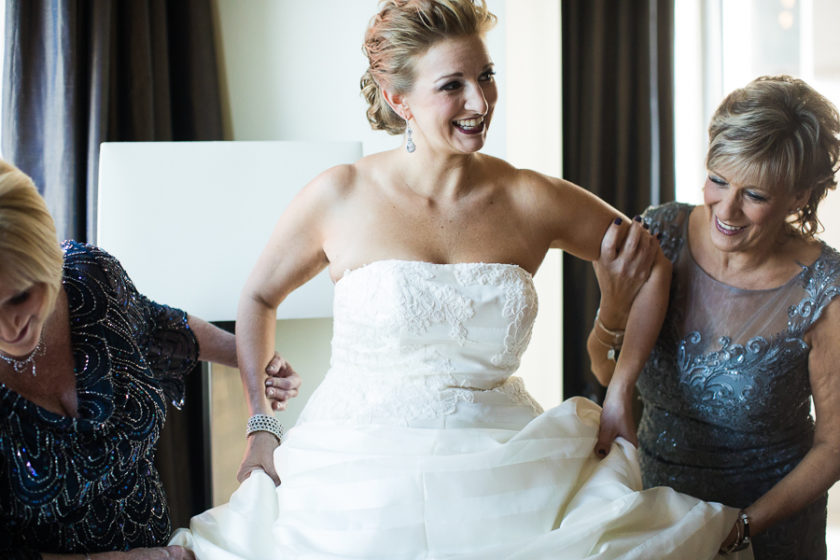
[
  {"x": 526, "y": 184},
  {"x": 345, "y": 180},
  {"x": 333, "y": 181}
]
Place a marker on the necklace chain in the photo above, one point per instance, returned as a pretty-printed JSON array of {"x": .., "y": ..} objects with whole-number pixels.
[{"x": 29, "y": 361}]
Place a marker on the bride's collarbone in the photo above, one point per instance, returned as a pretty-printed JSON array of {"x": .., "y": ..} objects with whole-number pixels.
[{"x": 390, "y": 232}]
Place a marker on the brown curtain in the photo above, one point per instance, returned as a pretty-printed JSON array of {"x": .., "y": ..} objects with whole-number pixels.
[
  {"x": 617, "y": 136},
  {"x": 81, "y": 72}
]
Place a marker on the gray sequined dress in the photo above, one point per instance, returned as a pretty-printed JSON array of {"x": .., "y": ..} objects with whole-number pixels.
[{"x": 726, "y": 391}]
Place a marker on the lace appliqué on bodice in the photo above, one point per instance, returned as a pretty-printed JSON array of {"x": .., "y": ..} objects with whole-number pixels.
[{"x": 414, "y": 340}]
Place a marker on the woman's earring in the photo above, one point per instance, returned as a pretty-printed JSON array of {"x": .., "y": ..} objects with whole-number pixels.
[{"x": 409, "y": 143}]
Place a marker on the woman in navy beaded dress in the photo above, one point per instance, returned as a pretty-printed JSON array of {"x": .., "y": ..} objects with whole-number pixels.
[
  {"x": 751, "y": 330},
  {"x": 87, "y": 366}
]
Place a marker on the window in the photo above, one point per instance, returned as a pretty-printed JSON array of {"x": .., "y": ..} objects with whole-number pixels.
[{"x": 734, "y": 42}]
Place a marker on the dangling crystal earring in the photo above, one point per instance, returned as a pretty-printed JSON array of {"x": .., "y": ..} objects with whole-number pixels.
[{"x": 409, "y": 143}]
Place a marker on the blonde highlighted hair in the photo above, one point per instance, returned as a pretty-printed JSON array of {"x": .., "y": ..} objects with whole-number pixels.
[
  {"x": 779, "y": 132},
  {"x": 29, "y": 249},
  {"x": 402, "y": 31}
]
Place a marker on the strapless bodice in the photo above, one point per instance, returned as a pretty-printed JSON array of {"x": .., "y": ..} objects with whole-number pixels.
[
  {"x": 426, "y": 336},
  {"x": 470, "y": 321}
]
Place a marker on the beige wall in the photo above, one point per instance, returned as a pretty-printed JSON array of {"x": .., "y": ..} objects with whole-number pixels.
[
  {"x": 291, "y": 69},
  {"x": 534, "y": 131}
]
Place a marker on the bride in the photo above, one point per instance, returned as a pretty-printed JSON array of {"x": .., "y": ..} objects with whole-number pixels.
[{"x": 419, "y": 443}]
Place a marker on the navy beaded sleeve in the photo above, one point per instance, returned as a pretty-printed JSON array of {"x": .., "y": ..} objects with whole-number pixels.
[{"x": 88, "y": 483}]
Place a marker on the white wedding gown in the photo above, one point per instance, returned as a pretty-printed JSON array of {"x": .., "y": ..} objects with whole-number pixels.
[{"x": 420, "y": 445}]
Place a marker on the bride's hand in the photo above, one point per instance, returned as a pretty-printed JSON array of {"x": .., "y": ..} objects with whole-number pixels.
[
  {"x": 282, "y": 382},
  {"x": 616, "y": 420},
  {"x": 259, "y": 454}
]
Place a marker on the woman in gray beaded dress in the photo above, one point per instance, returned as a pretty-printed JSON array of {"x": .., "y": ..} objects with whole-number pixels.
[{"x": 751, "y": 333}]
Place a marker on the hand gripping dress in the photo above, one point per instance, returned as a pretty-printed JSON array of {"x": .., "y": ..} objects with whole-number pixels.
[
  {"x": 420, "y": 445},
  {"x": 727, "y": 411}
]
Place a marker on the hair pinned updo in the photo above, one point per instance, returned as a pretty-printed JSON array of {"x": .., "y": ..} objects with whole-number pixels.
[{"x": 402, "y": 31}]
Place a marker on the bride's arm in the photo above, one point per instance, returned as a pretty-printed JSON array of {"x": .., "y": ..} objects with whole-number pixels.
[
  {"x": 293, "y": 255},
  {"x": 579, "y": 222}
]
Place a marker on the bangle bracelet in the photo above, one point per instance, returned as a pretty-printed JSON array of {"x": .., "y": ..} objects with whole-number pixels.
[
  {"x": 265, "y": 423},
  {"x": 618, "y": 338},
  {"x": 618, "y": 335},
  {"x": 745, "y": 522},
  {"x": 612, "y": 349},
  {"x": 742, "y": 534}
]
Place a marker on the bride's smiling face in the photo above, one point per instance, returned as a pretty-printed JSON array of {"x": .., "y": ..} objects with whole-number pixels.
[{"x": 453, "y": 95}]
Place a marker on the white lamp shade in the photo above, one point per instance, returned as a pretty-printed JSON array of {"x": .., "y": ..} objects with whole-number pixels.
[{"x": 188, "y": 219}]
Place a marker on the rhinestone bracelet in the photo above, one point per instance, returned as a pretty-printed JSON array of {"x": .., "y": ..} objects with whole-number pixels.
[{"x": 265, "y": 423}]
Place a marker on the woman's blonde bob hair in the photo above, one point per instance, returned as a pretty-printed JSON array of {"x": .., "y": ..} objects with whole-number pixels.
[
  {"x": 779, "y": 132},
  {"x": 29, "y": 249},
  {"x": 401, "y": 32}
]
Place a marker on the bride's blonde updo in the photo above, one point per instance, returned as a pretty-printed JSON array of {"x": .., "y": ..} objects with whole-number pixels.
[{"x": 402, "y": 31}]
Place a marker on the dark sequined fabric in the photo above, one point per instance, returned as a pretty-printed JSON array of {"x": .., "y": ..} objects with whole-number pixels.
[
  {"x": 88, "y": 484},
  {"x": 726, "y": 390}
]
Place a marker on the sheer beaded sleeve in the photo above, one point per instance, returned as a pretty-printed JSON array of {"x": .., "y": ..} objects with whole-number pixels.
[
  {"x": 669, "y": 220},
  {"x": 169, "y": 345}
]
